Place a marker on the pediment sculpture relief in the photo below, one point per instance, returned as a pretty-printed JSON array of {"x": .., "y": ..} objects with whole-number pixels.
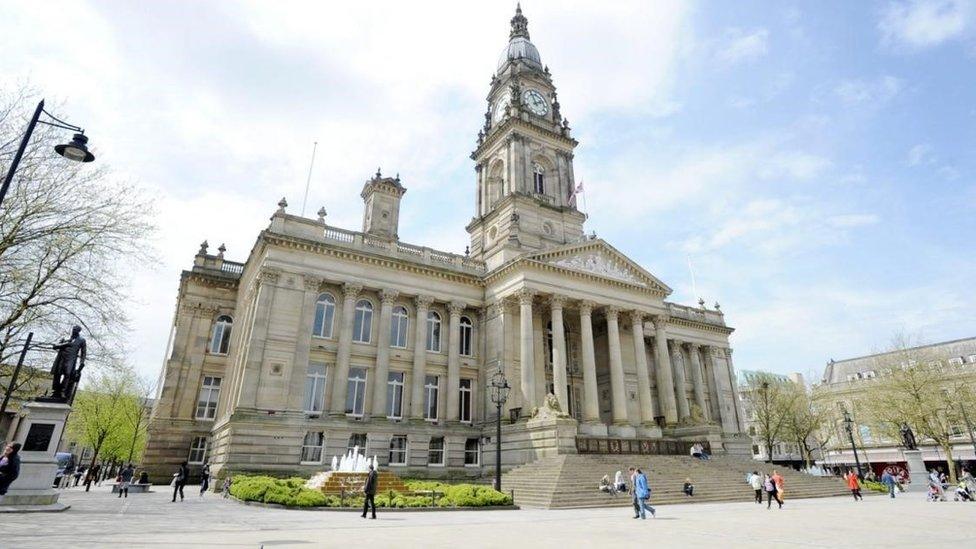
[{"x": 601, "y": 265}]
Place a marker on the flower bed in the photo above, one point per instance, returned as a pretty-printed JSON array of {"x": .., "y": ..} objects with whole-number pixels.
[{"x": 291, "y": 492}]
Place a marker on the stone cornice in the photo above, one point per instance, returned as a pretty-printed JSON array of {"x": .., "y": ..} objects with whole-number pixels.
[
  {"x": 524, "y": 262},
  {"x": 213, "y": 279},
  {"x": 499, "y": 133},
  {"x": 700, "y": 325}
]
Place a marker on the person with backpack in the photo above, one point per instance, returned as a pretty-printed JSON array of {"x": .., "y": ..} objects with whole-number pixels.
[{"x": 179, "y": 481}]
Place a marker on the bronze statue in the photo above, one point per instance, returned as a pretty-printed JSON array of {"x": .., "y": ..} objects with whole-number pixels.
[
  {"x": 908, "y": 437},
  {"x": 68, "y": 365}
]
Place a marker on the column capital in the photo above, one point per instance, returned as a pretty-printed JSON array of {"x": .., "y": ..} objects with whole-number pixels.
[
  {"x": 312, "y": 282},
  {"x": 525, "y": 296},
  {"x": 269, "y": 275},
  {"x": 350, "y": 290},
  {"x": 557, "y": 301},
  {"x": 389, "y": 296},
  {"x": 692, "y": 345},
  {"x": 672, "y": 343},
  {"x": 660, "y": 321},
  {"x": 455, "y": 308},
  {"x": 637, "y": 317},
  {"x": 423, "y": 301},
  {"x": 611, "y": 312},
  {"x": 586, "y": 307}
]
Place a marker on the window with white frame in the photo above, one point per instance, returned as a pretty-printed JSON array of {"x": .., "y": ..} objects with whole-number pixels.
[
  {"x": 324, "y": 315},
  {"x": 464, "y": 401},
  {"x": 433, "y": 332},
  {"x": 312, "y": 447},
  {"x": 435, "y": 454},
  {"x": 538, "y": 179},
  {"x": 394, "y": 395},
  {"x": 398, "y": 450},
  {"x": 431, "y": 386},
  {"x": 971, "y": 359},
  {"x": 363, "y": 322},
  {"x": 472, "y": 452},
  {"x": 398, "y": 327},
  {"x": 956, "y": 361},
  {"x": 220, "y": 338},
  {"x": 356, "y": 391},
  {"x": 315, "y": 387},
  {"x": 198, "y": 450},
  {"x": 357, "y": 440},
  {"x": 467, "y": 331},
  {"x": 209, "y": 393}
]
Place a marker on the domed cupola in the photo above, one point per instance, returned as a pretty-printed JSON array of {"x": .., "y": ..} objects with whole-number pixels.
[{"x": 519, "y": 47}]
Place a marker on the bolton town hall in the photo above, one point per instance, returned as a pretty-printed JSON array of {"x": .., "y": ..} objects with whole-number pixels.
[{"x": 325, "y": 338}]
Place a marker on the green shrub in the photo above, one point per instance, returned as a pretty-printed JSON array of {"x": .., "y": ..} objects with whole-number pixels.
[
  {"x": 874, "y": 486},
  {"x": 307, "y": 497}
]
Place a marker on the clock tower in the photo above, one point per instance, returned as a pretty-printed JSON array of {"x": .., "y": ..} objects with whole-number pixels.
[{"x": 524, "y": 160}]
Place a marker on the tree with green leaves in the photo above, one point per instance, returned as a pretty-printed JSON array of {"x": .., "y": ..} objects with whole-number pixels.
[
  {"x": 770, "y": 400},
  {"x": 804, "y": 419}
]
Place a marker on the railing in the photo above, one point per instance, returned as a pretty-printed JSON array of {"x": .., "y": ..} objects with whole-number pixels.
[
  {"x": 418, "y": 253},
  {"x": 699, "y": 315},
  {"x": 586, "y": 445},
  {"x": 342, "y": 235},
  {"x": 232, "y": 267}
]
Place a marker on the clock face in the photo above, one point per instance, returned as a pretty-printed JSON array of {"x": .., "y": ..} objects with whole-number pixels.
[
  {"x": 535, "y": 102},
  {"x": 498, "y": 113}
]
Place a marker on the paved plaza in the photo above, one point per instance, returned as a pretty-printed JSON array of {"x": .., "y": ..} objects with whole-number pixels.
[{"x": 98, "y": 519}]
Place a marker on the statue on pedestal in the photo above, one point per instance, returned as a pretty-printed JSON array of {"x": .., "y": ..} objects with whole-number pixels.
[
  {"x": 70, "y": 361},
  {"x": 908, "y": 437}
]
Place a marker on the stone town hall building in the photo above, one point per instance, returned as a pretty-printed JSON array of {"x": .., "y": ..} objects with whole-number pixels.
[{"x": 326, "y": 338}]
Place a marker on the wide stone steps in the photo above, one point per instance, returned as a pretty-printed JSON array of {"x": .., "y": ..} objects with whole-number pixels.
[{"x": 571, "y": 481}]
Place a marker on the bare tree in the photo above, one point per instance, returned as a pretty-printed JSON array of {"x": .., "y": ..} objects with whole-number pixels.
[
  {"x": 68, "y": 235},
  {"x": 804, "y": 419},
  {"x": 770, "y": 399}
]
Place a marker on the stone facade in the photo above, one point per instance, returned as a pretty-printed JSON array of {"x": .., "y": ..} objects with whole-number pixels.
[{"x": 339, "y": 337}]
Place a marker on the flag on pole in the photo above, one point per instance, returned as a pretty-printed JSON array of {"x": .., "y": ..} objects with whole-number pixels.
[{"x": 573, "y": 191}]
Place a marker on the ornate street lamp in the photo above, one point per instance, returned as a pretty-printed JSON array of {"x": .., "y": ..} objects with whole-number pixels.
[
  {"x": 499, "y": 394},
  {"x": 849, "y": 425},
  {"x": 76, "y": 150}
]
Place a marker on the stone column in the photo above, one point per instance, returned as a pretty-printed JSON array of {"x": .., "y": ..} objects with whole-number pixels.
[
  {"x": 526, "y": 350},
  {"x": 350, "y": 292},
  {"x": 678, "y": 366},
  {"x": 296, "y": 383},
  {"x": 619, "y": 393},
  {"x": 419, "y": 357},
  {"x": 643, "y": 377},
  {"x": 380, "y": 379},
  {"x": 591, "y": 397},
  {"x": 696, "y": 377},
  {"x": 739, "y": 418},
  {"x": 455, "y": 308},
  {"x": 717, "y": 380},
  {"x": 665, "y": 383},
  {"x": 559, "y": 378}
]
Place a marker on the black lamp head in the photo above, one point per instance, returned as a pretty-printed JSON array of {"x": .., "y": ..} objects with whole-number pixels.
[{"x": 77, "y": 150}]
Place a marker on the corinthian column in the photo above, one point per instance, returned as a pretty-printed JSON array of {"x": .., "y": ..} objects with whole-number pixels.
[
  {"x": 619, "y": 407},
  {"x": 665, "y": 384},
  {"x": 643, "y": 377},
  {"x": 723, "y": 416},
  {"x": 696, "y": 377},
  {"x": 388, "y": 298},
  {"x": 419, "y": 357},
  {"x": 591, "y": 398},
  {"x": 740, "y": 419},
  {"x": 350, "y": 292},
  {"x": 455, "y": 308},
  {"x": 559, "y": 352},
  {"x": 526, "y": 364},
  {"x": 678, "y": 366}
]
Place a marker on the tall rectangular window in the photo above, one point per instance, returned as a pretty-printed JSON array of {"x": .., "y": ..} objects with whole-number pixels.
[
  {"x": 198, "y": 450},
  {"x": 394, "y": 395},
  {"x": 431, "y": 387},
  {"x": 356, "y": 391},
  {"x": 209, "y": 393},
  {"x": 464, "y": 401},
  {"x": 315, "y": 387},
  {"x": 398, "y": 450},
  {"x": 357, "y": 440},
  {"x": 466, "y": 331},
  {"x": 435, "y": 455},
  {"x": 362, "y": 322},
  {"x": 398, "y": 328},
  {"x": 312, "y": 447},
  {"x": 472, "y": 452}
]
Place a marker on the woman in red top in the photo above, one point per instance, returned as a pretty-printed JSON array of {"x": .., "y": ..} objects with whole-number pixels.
[{"x": 854, "y": 484}]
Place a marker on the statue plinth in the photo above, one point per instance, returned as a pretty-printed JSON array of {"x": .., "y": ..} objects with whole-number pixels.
[
  {"x": 919, "y": 477},
  {"x": 38, "y": 433}
]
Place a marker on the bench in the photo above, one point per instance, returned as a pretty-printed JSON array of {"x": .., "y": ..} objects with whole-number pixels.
[{"x": 134, "y": 488}]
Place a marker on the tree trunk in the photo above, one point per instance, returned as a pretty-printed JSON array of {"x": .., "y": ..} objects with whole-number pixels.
[
  {"x": 92, "y": 463},
  {"x": 947, "y": 448}
]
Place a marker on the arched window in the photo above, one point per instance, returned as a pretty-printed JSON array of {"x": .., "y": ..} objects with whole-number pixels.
[
  {"x": 324, "y": 314},
  {"x": 465, "y": 339},
  {"x": 538, "y": 179},
  {"x": 363, "y": 322},
  {"x": 220, "y": 339},
  {"x": 398, "y": 327},
  {"x": 433, "y": 332}
]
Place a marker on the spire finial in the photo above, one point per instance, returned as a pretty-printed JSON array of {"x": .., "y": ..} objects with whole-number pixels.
[{"x": 520, "y": 25}]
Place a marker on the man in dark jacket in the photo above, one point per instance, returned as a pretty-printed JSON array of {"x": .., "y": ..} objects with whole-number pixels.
[
  {"x": 10, "y": 467},
  {"x": 125, "y": 479},
  {"x": 369, "y": 489}
]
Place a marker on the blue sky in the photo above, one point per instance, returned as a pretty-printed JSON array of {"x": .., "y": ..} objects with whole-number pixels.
[{"x": 813, "y": 161}]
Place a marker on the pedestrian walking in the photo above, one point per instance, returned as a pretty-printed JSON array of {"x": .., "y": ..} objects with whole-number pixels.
[
  {"x": 641, "y": 494},
  {"x": 9, "y": 466},
  {"x": 688, "y": 488},
  {"x": 756, "y": 481},
  {"x": 770, "y": 487},
  {"x": 204, "y": 478},
  {"x": 125, "y": 479},
  {"x": 225, "y": 489},
  {"x": 854, "y": 484},
  {"x": 369, "y": 490},
  {"x": 179, "y": 481},
  {"x": 78, "y": 473},
  {"x": 889, "y": 481},
  {"x": 780, "y": 483}
]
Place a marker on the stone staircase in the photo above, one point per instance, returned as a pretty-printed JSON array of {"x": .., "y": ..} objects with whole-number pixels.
[{"x": 571, "y": 481}]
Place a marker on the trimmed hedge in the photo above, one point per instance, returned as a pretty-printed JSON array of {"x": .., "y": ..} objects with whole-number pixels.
[{"x": 292, "y": 492}]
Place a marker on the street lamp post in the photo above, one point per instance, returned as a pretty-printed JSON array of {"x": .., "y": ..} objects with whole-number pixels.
[
  {"x": 499, "y": 394},
  {"x": 76, "y": 150},
  {"x": 764, "y": 391},
  {"x": 849, "y": 425}
]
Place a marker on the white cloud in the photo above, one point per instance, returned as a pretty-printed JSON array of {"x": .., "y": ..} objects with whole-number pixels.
[
  {"x": 873, "y": 93},
  {"x": 919, "y": 24},
  {"x": 738, "y": 45},
  {"x": 920, "y": 153}
]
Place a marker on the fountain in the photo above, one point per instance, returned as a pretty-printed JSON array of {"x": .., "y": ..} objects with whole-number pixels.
[{"x": 348, "y": 474}]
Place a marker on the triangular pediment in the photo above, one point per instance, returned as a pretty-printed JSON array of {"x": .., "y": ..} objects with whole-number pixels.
[{"x": 597, "y": 258}]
